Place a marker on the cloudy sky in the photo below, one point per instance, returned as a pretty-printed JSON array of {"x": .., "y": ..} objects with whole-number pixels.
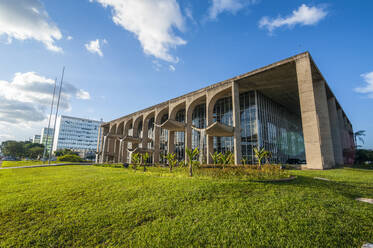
[{"x": 125, "y": 55}]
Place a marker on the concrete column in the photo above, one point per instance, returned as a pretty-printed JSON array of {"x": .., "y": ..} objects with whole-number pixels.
[
  {"x": 342, "y": 132},
  {"x": 104, "y": 150},
  {"x": 209, "y": 139},
  {"x": 334, "y": 126},
  {"x": 145, "y": 130},
  {"x": 116, "y": 149},
  {"x": 236, "y": 122},
  {"x": 188, "y": 127},
  {"x": 120, "y": 152},
  {"x": 171, "y": 142},
  {"x": 315, "y": 117},
  {"x": 157, "y": 132},
  {"x": 125, "y": 152}
]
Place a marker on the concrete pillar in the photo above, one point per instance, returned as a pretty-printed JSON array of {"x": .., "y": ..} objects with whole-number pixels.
[
  {"x": 209, "y": 139},
  {"x": 342, "y": 132},
  {"x": 315, "y": 117},
  {"x": 334, "y": 126},
  {"x": 104, "y": 150},
  {"x": 171, "y": 142},
  {"x": 120, "y": 151},
  {"x": 157, "y": 133},
  {"x": 236, "y": 122},
  {"x": 145, "y": 130},
  {"x": 125, "y": 152},
  {"x": 115, "y": 150},
  {"x": 188, "y": 127}
]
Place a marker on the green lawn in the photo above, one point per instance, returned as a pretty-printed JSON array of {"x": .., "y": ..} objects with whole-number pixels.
[{"x": 88, "y": 206}]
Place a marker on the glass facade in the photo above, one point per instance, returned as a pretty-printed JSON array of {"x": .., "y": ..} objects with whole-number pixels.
[
  {"x": 249, "y": 127},
  {"x": 180, "y": 137},
  {"x": 76, "y": 133},
  {"x": 280, "y": 131},
  {"x": 222, "y": 113},
  {"x": 199, "y": 121},
  {"x": 267, "y": 124}
]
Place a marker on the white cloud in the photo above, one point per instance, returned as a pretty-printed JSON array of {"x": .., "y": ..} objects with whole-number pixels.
[
  {"x": 94, "y": 46},
  {"x": 367, "y": 89},
  {"x": 28, "y": 96},
  {"x": 232, "y": 6},
  {"x": 157, "y": 65},
  {"x": 82, "y": 94},
  {"x": 171, "y": 68},
  {"x": 304, "y": 15},
  {"x": 69, "y": 37},
  {"x": 27, "y": 19},
  {"x": 153, "y": 23}
]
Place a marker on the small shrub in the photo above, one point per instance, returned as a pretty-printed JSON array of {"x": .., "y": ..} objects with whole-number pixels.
[
  {"x": 244, "y": 172},
  {"x": 69, "y": 158}
]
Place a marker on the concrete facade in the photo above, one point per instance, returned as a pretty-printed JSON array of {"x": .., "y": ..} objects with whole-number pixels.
[{"x": 295, "y": 84}]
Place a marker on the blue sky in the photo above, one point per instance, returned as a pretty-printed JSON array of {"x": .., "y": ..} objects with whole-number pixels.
[{"x": 151, "y": 51}]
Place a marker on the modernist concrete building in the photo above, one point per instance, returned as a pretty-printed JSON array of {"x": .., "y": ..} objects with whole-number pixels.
[{"x": 286, "y": 107}]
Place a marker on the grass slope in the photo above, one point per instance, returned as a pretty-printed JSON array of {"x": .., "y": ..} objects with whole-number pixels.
[{"x": 87, "y": 206}]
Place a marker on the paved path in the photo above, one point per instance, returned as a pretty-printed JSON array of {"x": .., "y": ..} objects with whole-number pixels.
[{"x": 40, "y": 165}]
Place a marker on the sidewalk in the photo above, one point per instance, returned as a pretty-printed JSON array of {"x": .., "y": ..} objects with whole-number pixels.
[{"x": 42, "y": 165}]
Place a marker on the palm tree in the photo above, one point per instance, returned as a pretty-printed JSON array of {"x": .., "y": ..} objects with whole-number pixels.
[
  {"x": 215, "y": 157},
  {"x": 192, "y": 154},
  {"x": 260, "y": 153},
  {"x": 171, "y": 160},
  {"x": 225, "y": 158},
  {"x": 358, "y": 135},
  {"x": 145, "y": 158},
  {"x": 135, "y": 159}
]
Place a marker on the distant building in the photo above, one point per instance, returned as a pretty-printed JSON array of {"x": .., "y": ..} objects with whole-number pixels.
[
  {"x": 77, "y": 134},
  {"x": 36, "y": 139},
  {"x": 44, "y": 135}
]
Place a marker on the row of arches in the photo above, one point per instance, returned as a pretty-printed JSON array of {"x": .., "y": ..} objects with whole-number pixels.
[{"x": 199, "y": 112}]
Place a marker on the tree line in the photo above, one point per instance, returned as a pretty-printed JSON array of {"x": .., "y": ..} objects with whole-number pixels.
[{"x": 22, "y": 149}]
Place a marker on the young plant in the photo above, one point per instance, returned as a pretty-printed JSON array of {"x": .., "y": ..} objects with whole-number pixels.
[
  {"x": 192, "y": 154},
  {"x": 171, "y": 158},
  {"x": 215, "y": 157},
  {"x": 145, "y": 158},
  {"x": 135, "y": 159},
  {"x": 225, "y": 158},
  {"x": 244, "y": 161},
  {"x": 260, "y": 153}
]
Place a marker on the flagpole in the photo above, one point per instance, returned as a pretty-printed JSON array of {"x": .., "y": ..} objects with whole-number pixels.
[
  {"x": 49, "y": 121},
  {"x": 55, "y": 118}
]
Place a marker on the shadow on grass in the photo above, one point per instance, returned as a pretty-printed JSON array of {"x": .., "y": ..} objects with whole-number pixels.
[{"x": 349, "y": 190}]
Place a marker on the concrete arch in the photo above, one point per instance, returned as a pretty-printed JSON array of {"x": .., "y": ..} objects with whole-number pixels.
[
  {"x": 145, "y": 125},
  {"x": 105, "y": 129},
  {"x": 191, "y": 104},
  {"x": 136, "y": 125},
  {"x": 120, "y": 128},
  {"x": 176, "y": 107},
  {"x": 212, "y": 98},
  {"x": 113, "y": 128},
  {"x": 160, "y": 113}
]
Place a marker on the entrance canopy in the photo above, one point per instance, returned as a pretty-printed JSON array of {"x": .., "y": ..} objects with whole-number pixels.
[{"x": 173, "y": 125}]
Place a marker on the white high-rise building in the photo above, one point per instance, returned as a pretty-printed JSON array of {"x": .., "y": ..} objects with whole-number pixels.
[{"x": 75, "y": 133}]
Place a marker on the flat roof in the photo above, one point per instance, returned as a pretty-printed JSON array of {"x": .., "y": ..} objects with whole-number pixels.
[{"x": 236, "y": 78}]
